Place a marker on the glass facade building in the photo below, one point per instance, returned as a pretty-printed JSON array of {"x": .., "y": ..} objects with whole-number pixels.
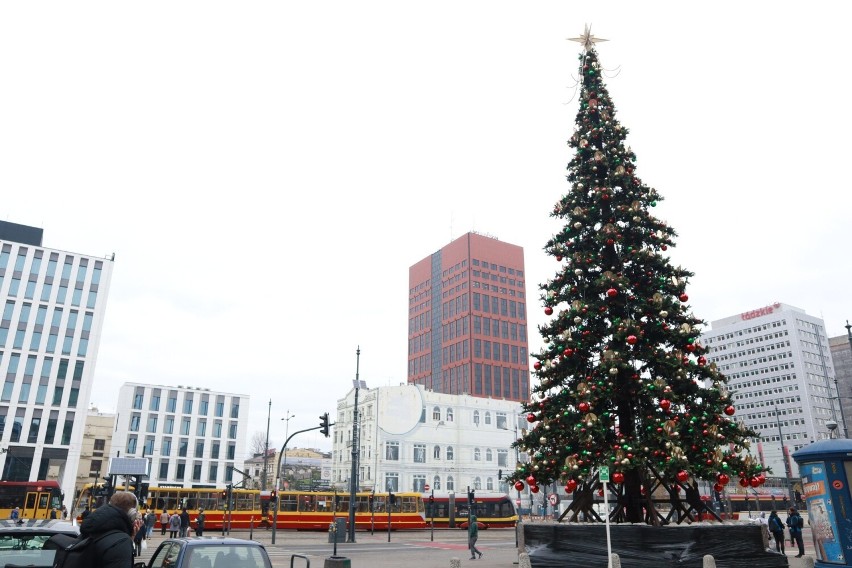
[{"x": 53, "y": 305}]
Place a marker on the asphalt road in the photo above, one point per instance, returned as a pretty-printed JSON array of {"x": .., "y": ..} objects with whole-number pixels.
[{"x": 406, "y": 549}]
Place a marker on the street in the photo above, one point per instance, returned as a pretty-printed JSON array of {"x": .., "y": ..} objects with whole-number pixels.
[{"x": 412, "y": 549}]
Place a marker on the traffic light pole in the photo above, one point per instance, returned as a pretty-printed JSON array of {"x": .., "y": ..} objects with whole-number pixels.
[{"x": 323, "y": 426}]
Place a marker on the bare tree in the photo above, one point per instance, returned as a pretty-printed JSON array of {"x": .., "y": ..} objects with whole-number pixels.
[{"x": 257, "y": 444}]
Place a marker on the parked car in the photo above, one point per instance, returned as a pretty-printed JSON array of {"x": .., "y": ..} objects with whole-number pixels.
[
  {"x": 22, "y": 542},
  {"x": 215, "y": 552}
]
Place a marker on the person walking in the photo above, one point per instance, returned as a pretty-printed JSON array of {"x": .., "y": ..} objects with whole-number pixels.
[
  {"x": 174, "y": 525},
  {"x": 150, "y": 521},
  {"x": 472, "y": 535},
  {"x": 139, "y": 536},
  {"x": 184, "y": 523},
  {"x": 16, "y": 514},
  {"x": 199, "y": 523},
  {"x": 796, "y": 524},
  {"x": 776, "y": 527},
  {"x": 164, "y": 522},
  {"x": 113, "y": 527}
]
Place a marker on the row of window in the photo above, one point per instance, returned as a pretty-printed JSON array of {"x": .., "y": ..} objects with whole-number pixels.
[
  {"x": 29, "y": 334},
  {"x": 185, "y": 426},
  {"x": 418, "y": 455},
  {"x": 148, "y": 448},
  {"x": 171, "y": 402},
  {"x": 45, "y": 294},
  {"x": 747, "y": 331},
  {"x": 439, "y": 483},
  {"x": 25, "y": 382},
  {"x": 33, "y": 434},
  {"x": 485, "y": 265},
  {"x": 196, "y": 474},
  {"x": 498, "y": 306}
]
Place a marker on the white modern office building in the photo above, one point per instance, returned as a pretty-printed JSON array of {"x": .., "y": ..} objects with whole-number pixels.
[
  {"x": 192, "y": 437},
  {"x": 410, "y": 438},
  {"x": 779, "y": 366},
  {"x": 53, "y": 304}
]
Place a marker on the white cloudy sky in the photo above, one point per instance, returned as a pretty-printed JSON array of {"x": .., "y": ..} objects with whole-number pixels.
[{"x": 266, "y": 172}]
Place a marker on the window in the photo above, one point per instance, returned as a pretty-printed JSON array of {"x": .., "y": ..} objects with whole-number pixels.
[
  {"x": 187, "y": 404},
  {"x": 171, "y": 405},
  {"x": 201, "y": 428},
  {"x": 488, "y": 455},
  {"x": 476, "y": 417},
  {"x": 420, "y": 455},
  {"x": 488, "y": 418},
  {"x": 451, "y": 484},
  {"x": 449, "y": 415},
  {"x": 170, "y": 425},
  {"x": 436, "y": 483},
  {"x": 152, "y": 424},
  {"x": 232, "y": 431},
  {"x": 235, "y": 409},
  {"x": 501, "y": 421},
  {"x": 137, "y": 400},
  {"x": 214, "y": 451},
  {"x": 502, "y": 458},
  {"x": 181, "y": 471},
  {"x": 164, "y": 469},
  {"x": 436, "y": 413},
  {"x": 391, "y": 482},
  {"x": 134, "y": 423},
  {"x": 199, "y": 449},
  {"x": 419, "y": 482},
  {"x": 449, "y": 454},
  {"x": 477, "y": 454},
  {"x": 436, "y": 452},
  {"x": 155, "y": 401},
  {"x": 489, "y": 484},
  {"x": 184, "y": 427},
  {"x": 166, "y": 448},
  {"x": 392, "y": 451},
  {"x": 183, "y": 447},
  {"x": 477, "y": 483},
  {"x": 131, "y": 445}
]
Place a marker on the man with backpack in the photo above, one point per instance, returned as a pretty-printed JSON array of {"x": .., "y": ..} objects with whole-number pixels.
[
  {"x": 796, "y": 524},
  {"x": 110, "y": 530}
]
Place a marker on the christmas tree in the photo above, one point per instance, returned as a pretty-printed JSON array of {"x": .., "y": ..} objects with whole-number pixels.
[{"x": 623, "y": 381}]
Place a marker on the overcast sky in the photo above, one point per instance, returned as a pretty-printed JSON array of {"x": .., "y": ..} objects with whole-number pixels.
[{"x": 266, "y": 172}]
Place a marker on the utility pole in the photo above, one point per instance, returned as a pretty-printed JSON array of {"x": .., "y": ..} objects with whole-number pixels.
[{"x": 787, "y": 472}]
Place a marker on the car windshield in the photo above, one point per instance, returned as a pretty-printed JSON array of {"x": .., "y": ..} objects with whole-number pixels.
[
  {"x": 25, "y": 550},
  {"x": 225, "y": 557}
]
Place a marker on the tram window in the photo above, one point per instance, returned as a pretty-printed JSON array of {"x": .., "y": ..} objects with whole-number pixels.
[
  {"x": 31, "y": 500},
  {"x": 42, "y": 500},
  {"x": 307, "y": 503},
  {"x": 288, "y": 502}
]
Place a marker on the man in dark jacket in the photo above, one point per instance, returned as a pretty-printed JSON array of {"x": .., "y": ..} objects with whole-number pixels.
[
  {"x": 184, "y": 523},
  {"x": 114, "y": 550}
]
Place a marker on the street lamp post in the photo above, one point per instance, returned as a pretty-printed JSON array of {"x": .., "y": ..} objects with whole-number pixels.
[
  {"x": 353, "y": 477},
  {"x": 286, "y": 420},
  {"x": 788, "y": 475},
  {"x": 266, "y": 448}
]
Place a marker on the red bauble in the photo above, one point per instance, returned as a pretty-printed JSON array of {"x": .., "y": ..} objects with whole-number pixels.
[
  {"x": 618, "y": 477},
  {"x": 584, "y": 407},
  {"x": 612, "y": 292},
  {"x": 570, "y": 486},
  {"x": 530, "y": 417},
  {"x": 632, "y": 339},
  {"x": 548, "y": 311},
  {"x": 558, "y": 259},
  {"x": 755, "y": 482},
  {"x": 729, "y": 410},
  {"x": 743, "y": 482},
  {"x": 568, "y": 352},
  {"x": 665, "y": 404},
  {"x": 690, "y": 347},
  {"x": 702, "y": 361},
  {"x": 600, "y": 492},
  {"x": 534, "y": 488},
  {"x": 682, "y": 476},
  {"x": 519, "y": 486},
  {"x": 683, "y": 298},
  {"x": 718, "y": 487},
  {"x": 723, "y": 478},
  {"x": 664, "y": 247},
  {"x": 531, "y": 480},
  {"x": 537, "y": 365}
]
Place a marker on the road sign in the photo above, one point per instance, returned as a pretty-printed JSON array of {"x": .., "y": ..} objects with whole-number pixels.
[
  {"x": 426, "y": 487},
  {"x": 553, "y": 499},
  {"x": 603, "y": 472}
]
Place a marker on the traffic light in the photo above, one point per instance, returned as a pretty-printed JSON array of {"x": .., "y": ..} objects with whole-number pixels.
[
  {"x": 224, "y": 495},
  {"x": 392, "y": 498},
  {"x": 372, "y": 498},
  {"x": 431, "y": 499},
  {"x": 273, "y": 497},
  {"x": 470, "y": 496},
  {"x": 500, "y": 474},
  {"x": 324, "y": 424}
]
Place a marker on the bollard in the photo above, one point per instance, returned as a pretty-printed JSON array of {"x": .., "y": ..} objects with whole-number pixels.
[
  {"x": 524, "y": 560},
  {"x": 455, "y": 562},
  {"x": 709, "y": 561},
  {"x": 809, "y": 561},
  {"x": 614, "y": 561}
]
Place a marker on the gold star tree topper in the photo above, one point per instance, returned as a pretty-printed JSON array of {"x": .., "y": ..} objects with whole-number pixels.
[{"x": 587, "y": 39}]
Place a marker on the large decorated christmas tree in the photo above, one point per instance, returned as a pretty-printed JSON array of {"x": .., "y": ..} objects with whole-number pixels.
[{"x": 623, "y": 381}]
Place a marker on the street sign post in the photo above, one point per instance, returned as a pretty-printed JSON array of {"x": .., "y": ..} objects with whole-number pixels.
[{"x": 603, "y": 475}]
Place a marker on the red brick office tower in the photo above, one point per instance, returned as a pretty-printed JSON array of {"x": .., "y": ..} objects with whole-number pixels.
[{"x": 467, "y": 320}]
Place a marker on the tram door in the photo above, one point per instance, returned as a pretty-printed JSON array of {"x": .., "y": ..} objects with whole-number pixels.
[{"x": 36, "y": 505}]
